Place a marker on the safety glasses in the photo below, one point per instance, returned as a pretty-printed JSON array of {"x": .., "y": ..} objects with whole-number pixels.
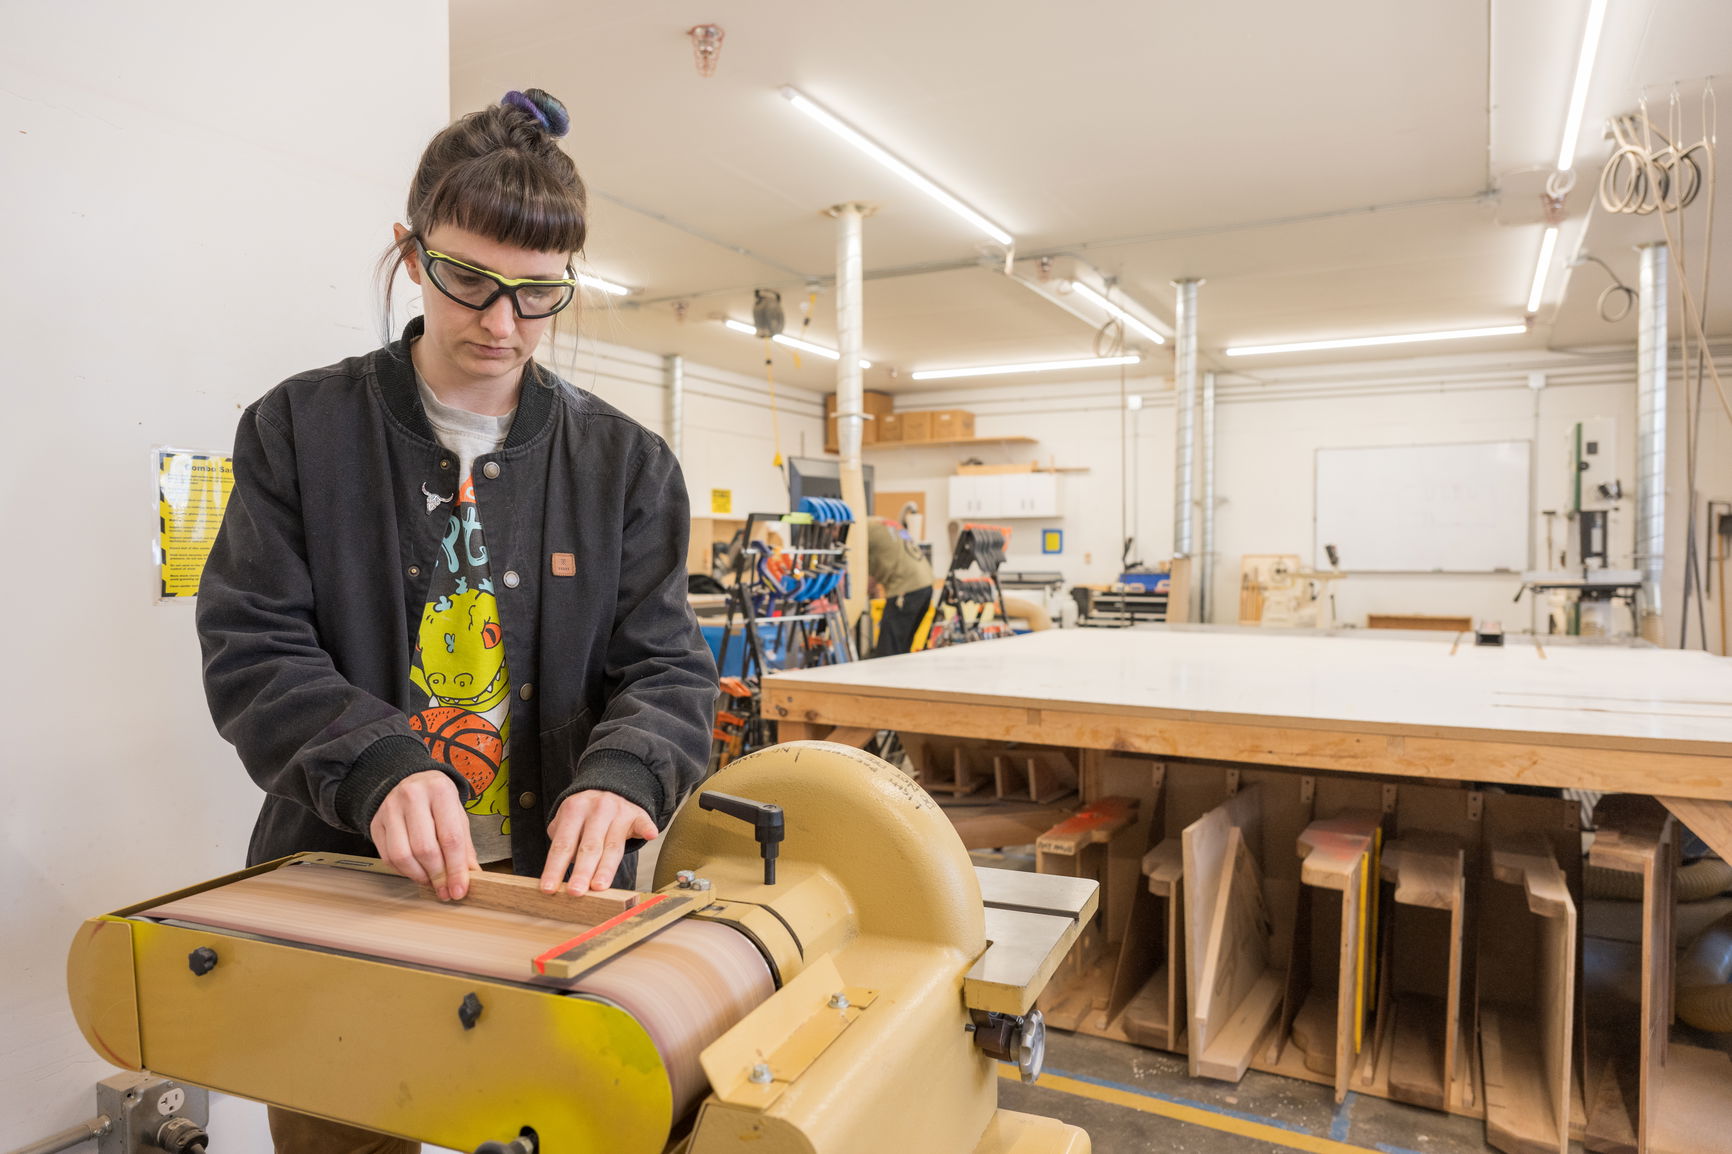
[{"x": 476, "y": 288}]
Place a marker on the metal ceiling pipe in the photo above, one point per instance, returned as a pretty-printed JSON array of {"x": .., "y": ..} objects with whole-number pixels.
[
  {"x": 850, "y": 393},
  {"x": 1185, "y": 431},
  {"x": 1652, "y": 353},
  {"x": 674, "y": 376},
  {"x": 1206, "y": 560}
]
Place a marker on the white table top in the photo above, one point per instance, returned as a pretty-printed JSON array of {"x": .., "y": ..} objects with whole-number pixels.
[{"x": 1573, "y": 695}]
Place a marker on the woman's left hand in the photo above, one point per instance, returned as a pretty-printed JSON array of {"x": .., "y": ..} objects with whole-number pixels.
[{"x": 589, "y": 834}]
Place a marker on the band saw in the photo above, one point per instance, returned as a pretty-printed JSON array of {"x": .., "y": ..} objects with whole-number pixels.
[{"x": 818, "y": 968}]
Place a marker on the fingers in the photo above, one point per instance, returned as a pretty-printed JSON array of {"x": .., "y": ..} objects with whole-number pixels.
[
  {"x": 589, "y": 834},
  {"x": 456, "y": 848},
  {"x": 422, "y": 831}
]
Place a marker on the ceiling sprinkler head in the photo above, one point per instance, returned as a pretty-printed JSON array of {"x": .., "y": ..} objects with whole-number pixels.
[{"x": 706, "y": 47}]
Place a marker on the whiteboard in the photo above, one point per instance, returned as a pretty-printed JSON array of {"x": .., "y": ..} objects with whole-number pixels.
[{"x": 1425, "y": 508}]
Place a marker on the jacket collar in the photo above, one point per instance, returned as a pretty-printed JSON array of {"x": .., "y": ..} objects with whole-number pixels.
[{"x": 397, "y": 382}]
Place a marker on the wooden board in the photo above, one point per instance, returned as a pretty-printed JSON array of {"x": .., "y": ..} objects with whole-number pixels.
[
  {"x": 1339, "y": 855},
  {"x": 1527, "y": 999},
  {"x": 1233, "y": 995},
  {"x": 1637, "y": 835},
  {"x": 1427, "y": 872}
]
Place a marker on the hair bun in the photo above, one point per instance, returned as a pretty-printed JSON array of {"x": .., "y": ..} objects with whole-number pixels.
[{"x": 544, "y": 106}]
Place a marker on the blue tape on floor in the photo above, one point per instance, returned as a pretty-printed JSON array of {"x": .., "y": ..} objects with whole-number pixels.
[{"x": 1343, "y": 1121}]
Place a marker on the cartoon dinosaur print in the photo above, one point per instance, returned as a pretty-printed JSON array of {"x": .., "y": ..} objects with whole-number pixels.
[{"x": 462, "y": 651}]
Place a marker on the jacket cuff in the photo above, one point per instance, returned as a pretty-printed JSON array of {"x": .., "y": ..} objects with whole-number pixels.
[
  {"x": 376, "y": 772},
  {"x": 622, "y": 773}
]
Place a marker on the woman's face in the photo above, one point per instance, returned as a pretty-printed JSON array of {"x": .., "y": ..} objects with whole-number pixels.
[{"x": 487, "y": 346}]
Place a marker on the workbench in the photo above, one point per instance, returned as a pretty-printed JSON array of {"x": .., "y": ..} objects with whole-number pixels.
[
  {"x": 1592, "y": 717},
  {"x": 1266, "y": 782}
]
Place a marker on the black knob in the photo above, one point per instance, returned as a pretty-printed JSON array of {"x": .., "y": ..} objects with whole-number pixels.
[
  {"x": 764, "y": 818},
  {"x": 202, "y": 961},
  {"x": 470, "y": 1011}
]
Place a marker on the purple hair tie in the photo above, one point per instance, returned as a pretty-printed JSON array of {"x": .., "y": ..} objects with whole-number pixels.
[{"x": 547, "y": 110}]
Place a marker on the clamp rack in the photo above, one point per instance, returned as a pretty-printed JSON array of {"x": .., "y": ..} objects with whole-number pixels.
[
  {"x": 971, "y": 605},
  {"x": 785, "y": 607}
]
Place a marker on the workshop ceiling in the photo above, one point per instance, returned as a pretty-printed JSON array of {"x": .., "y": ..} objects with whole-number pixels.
[{"x": 1336, "y": 169}]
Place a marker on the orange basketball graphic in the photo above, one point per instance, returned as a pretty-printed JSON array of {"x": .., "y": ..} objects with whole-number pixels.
[{"x": 465, "y": 741}]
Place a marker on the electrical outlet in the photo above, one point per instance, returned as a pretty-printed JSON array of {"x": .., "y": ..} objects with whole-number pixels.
[{"x": 139, "y": 1104}]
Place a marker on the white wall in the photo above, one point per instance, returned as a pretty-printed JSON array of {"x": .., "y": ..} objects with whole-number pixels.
[
  {"x": 1268, "y": 430},
  {"x": 729, "y": 431},
  {"x": 195, "y": 195}
]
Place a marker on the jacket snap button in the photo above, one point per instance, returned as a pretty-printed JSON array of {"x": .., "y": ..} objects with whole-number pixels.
[
  {"x": 444, "y": 462},
  {"x": 527, "y": 691},
  {"x": 525, "y": 800},
  {"x": 511, "y": 578},
  {"x": 414, "y": 570},
  {"x": 490, "y": 470}
]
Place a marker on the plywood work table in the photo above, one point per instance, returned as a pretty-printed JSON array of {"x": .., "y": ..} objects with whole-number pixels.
[
  {"x": 1650, "y": 721},
  {"x": 1226, "y": 747}
]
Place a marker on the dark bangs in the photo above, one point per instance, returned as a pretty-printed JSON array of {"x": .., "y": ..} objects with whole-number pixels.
[{"x": 511, "y": 197}]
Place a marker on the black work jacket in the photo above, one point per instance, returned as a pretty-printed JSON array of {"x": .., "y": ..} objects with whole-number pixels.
[{"x": 318, "y": 579}]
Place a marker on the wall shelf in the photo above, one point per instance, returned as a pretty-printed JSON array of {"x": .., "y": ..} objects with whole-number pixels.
[{"x": 966, "y": 441}]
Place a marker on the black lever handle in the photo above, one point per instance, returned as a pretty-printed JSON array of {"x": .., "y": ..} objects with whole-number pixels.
[{"x": 764, "y": 818}]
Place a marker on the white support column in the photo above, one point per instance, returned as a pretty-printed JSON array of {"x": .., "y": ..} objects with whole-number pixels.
[
  {"x": 674, "y": 375},
  {"x": 1652, "y": 353},
  {"x": 850, "y": 394},
  {"x": 1185, "y": 434},
  {"x": 1206, "y": 560}
]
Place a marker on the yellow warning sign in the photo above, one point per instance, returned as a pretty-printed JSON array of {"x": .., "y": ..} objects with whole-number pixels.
[
  {"x": 192, "y": 491},
  {"x": 721, "y": 500}
]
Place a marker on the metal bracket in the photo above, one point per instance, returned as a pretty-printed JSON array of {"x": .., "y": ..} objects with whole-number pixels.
[
  {"x": 1307, "y": 790},
  {"x": 1475, "y": 805},
  {"x": 1232, "y": 783},
  {"x": 1391, "y": 793}
]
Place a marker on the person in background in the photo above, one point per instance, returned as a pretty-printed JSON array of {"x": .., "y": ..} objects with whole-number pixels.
[
  {"x": 445, "y": 620},
  {"x": 902, "y": 575}
]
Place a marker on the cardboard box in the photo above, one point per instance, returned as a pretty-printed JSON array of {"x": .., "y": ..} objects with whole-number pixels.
[
  {"x": 916, "y": 426},
  {"x": 889, "y": 428},
  {"x": 952, "y": 425},
  {"x": 878, "y": 405}
]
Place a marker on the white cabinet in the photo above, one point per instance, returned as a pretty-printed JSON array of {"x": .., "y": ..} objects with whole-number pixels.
[{"x": 1004, "y": 495}]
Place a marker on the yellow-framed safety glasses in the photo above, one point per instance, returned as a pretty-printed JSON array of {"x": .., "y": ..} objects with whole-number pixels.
[{"x": 476, "y": 288}]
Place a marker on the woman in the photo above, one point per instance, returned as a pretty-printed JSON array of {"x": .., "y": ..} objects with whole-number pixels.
[{"x": 445, "y": 621}]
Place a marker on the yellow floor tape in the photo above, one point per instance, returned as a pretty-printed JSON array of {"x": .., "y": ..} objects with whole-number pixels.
[{"x": 1275, "y": 1135}]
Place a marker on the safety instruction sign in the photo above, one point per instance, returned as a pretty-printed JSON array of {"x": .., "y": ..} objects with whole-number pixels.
[
  {"x": 192, "y": 490},
  {"x": 721, "y": 500}
]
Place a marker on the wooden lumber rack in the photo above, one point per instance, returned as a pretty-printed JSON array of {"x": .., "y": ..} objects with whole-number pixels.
[{"x": 1321, "y": 856}]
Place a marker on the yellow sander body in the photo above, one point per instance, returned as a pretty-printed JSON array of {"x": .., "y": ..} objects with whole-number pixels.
[{"x": 853, "y": 1005}]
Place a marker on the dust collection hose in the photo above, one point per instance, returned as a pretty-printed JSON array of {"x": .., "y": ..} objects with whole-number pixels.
[
  {"x": 1698, "y": 881},
  {"x": 1704, "y": 998}
]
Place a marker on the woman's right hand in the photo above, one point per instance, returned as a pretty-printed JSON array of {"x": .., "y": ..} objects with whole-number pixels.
[{"x": 422, "y": 831}]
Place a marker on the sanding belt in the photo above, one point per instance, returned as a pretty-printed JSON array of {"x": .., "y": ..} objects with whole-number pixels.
[{"x": 686, "y": 985}]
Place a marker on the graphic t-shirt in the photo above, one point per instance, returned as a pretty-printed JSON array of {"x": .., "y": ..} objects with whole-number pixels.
[{"x": 459, "y": 660}]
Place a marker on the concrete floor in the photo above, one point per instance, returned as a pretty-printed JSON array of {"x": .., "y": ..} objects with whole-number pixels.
[{"x": 1258, "y": 1104}]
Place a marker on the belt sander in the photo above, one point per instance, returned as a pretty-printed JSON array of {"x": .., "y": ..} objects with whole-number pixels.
[{"x": 819, "y": 968}]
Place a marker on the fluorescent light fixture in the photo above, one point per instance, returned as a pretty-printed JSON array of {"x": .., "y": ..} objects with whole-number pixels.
[
  {"x": 1034, "y": 367},
  {"x": 1541, "y": 269},
  {"x": 605, "y": 286},
  {"x": 895, "y": 164},
  {"x": 1364, "y": 342},
  {"x": 1579, "y": 93},
  {"x": 1115, "y": 311},
  {"x": 792, "y": 342}
]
